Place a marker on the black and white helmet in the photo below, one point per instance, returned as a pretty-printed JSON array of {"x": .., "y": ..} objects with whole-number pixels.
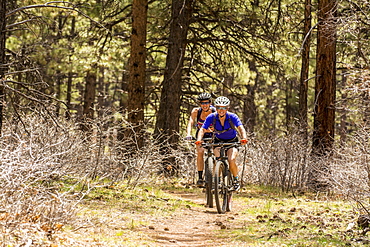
[
  {"x": 222, "y": 101},
  {"x": 204, "y": 96}
]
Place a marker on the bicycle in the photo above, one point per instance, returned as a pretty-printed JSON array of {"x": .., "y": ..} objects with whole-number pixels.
[{"x": 223, "y": 179}]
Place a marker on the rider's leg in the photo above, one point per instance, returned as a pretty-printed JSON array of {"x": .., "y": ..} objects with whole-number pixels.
[
  {"x": 232, "y": 153},
  {"x": 216, "y": 152},
  {"x": 200, "y": 165},
  {"x": 200, "y": 158}
]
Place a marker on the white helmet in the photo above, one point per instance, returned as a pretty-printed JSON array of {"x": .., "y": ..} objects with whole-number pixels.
[{"x": 222, "y": 101}]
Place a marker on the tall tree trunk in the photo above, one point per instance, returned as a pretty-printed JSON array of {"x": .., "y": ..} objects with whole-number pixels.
[
  {"x": 250, "y": 108},
  {"x": 325, "y": 84},
  {"x": 69, "y": 95},
  {"x": 288, "y": 106},
  {"x": 58, "y": 91},
  {"x": 169, "y": 109},
  {"x": 136, "y": 86},
  {"x": 2, "y": 57},
  {"x": 344, "y": 104},
  {"x": 89, "y": 95},
  {"x": 101, "y": 92},
  {"x": 303, "y": 87}
]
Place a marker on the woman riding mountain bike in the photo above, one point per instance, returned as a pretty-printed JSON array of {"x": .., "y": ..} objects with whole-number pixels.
[
  {"x": 197, "y": 118},
  {"x": 225, "y": 125}
]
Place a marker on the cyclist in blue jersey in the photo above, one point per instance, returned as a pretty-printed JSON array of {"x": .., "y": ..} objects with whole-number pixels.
[
  {"x": 197, "y": 118},
  {"x": 226, "y": 126}
]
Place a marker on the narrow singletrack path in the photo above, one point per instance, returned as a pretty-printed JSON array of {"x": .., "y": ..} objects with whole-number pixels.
[{"x": 194, "y": 226}]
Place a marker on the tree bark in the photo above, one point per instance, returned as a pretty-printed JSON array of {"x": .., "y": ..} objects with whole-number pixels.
[
  {"x": 2, "y": 57},
  {"x": 69, "y": 95},
  {"x": 137, "y": 66},
  {"x": 89, "y": 95},
  {"x": 169, "y": 110},
  {"x": 250, "y": 108},
  {"x": 325, "y": 84},
  {"x": 101, "y": 92},
  {"x": 303, "y": 87}
]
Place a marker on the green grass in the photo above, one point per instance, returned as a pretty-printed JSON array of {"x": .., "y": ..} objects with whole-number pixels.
[
  {"x": 279, "y": 219},
  {"x": 266, "y": 216}
]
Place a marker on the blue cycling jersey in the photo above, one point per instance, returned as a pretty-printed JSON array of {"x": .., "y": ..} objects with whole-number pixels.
[{"x": 231, "y": 132}]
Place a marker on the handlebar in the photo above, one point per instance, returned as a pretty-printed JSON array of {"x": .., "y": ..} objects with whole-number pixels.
[
  {"x": 206, "y": 140},
  {"x": 221, "y": 144}
]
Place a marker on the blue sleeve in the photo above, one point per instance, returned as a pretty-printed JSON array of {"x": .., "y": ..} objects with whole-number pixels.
[
  {"x": 207, "y": 123},
  {"x": 235, "y": 119}
]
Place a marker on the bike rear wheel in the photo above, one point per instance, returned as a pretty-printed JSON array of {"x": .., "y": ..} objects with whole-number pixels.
[
  {"x": 208, "y": 181},
  {"x": 221, "y": 191}
]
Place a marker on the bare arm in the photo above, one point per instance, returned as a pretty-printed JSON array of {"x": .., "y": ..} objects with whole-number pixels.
[
  {"x": 192, "y": 118},
  {"x": 200, "y": 134},
  {"x": 242, "y": 132}
]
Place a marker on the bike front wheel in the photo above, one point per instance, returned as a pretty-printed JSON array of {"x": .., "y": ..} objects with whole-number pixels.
[
  {"x": 208, "y": 182},
  {"x": 221, "y": 187}
]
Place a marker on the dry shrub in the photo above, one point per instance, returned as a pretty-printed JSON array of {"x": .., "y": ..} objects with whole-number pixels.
[
  {"x": 350, "y": 165},
  {"x": 48, "y": 165},
  {"x": 276, "y": 161},
  {"x": 31, "y": 162},
  {"x": 287, "y": 162}
]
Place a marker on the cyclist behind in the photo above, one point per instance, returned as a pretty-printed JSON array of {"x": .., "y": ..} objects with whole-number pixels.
[
  {"x": 226, "y": 125},
  {"x": 197, "y": 118}
]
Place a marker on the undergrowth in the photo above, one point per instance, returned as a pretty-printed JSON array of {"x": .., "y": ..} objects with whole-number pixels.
[{"x": 267, "y": 216}]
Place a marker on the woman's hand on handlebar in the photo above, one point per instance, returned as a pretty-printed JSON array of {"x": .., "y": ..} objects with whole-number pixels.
[
  {"x": 243, "y": 141},
  {"x": 189, "y": 138}
]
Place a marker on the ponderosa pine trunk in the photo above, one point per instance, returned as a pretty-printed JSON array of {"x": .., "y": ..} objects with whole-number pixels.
[
  {"x": 325, "y": 84},
  {"x": 2, "y": 57},
  {"x": 89, "y": 95},
  {"x": 168, "y": 117},
  {"x": 137, "y": 67},
  {"x": 325, "y": 87},
  {"x": 303, "y": 88}
]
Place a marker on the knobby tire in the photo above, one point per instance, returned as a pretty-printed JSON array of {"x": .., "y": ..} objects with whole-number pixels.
[
  {"x": 208, "y": 182},
  {"x": 229, "y": 193},
  {"x": 221, "y": 191}
]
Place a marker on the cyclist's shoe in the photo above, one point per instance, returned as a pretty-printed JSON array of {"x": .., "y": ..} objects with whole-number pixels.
[
  {"x": 236, "y": 185},
  {"x": 200, "y": 183}
]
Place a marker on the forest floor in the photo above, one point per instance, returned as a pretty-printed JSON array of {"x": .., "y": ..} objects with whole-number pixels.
[{"x": 177, "y": 216}]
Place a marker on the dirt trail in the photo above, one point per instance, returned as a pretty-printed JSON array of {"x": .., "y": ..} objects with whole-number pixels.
[{"x": 193, "y": 226}]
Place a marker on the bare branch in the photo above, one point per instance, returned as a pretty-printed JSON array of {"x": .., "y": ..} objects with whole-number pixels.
[{"x": 48, "y": 5}]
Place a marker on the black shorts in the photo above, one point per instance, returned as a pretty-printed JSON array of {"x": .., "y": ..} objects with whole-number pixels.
[
  {"x": 235, "y": 139},
  {"x": 206, "y": 135}
]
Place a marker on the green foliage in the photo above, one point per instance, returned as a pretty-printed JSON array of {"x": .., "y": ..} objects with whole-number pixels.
[{"x": 246, "y": 50}]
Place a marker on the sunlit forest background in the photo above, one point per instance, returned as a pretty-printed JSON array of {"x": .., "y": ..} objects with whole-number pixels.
[{"x": 100, "y": 91}]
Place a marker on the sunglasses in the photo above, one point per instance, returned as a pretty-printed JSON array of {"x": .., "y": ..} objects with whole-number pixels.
[
  {"x": 221, "y": 107},
  {"x": 205, "y": 103}
]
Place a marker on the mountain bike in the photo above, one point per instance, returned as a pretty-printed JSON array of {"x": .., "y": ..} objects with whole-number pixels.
[{"x": 223, "y": 179}]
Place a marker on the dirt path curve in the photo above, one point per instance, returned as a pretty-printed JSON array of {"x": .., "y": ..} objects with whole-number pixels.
[{"x": 194, "y": 226}]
